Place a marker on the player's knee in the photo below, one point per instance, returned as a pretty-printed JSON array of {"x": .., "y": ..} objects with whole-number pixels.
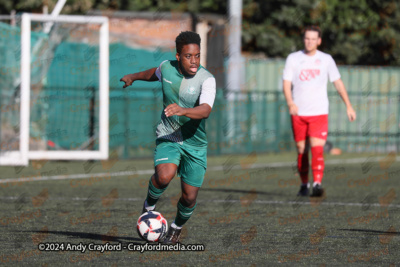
[
  {"x": 188, "y": 200},
  {"x": 300, "y": 148},
  {"x": 163, "y": 178}
]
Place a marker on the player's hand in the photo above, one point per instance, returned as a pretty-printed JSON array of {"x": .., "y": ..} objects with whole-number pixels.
[
  {"x": 127, "y": 79},
  {"x": 351, "y": 114},
  {"x": 174, "y": 109},
  {"x": 293, "y": 109}
]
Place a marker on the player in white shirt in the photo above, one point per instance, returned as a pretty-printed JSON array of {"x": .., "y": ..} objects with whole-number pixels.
[{"x": 308, "y": 71}]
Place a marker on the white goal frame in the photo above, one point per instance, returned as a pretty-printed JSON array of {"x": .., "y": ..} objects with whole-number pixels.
[{"x": 23, "y": 156}]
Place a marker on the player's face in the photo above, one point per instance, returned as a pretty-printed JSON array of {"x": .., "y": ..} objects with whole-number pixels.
[
  {"x": 311, "y": 41},
  {"x": 189, "y": 59}
]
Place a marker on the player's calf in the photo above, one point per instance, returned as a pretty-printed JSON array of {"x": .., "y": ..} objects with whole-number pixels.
[
  {"x": 303, "y": 167},
  {"x": 182, "y": 216},
  {"x": 153, "y": 194},
  {"x": 318, "y": 164}
]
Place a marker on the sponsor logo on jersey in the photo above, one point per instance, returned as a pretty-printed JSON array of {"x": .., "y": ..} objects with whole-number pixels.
[
  {"x": 191, "y": 90},
  {"x": 167, "y": 81},
  {"x": 308, "y": 75},
  {"x": 323, "y": 133}
]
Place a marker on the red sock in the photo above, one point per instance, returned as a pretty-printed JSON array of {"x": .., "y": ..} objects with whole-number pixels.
[
  {"x": 317, "y": 164},
  {"x": 302, "y": 166}
]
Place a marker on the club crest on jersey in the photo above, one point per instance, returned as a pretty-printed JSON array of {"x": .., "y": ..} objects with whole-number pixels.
[
  {"x": 307, "y": 74},
  {"x": 191, "y": 90}
]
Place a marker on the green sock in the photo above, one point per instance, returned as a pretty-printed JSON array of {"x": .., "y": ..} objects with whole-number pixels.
[
  {"x": 183, "y": 214},
  {"x": 153, "y": 194}
]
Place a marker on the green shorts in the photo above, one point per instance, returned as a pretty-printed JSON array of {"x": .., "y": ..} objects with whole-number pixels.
[{"x": 192, "y": 163}]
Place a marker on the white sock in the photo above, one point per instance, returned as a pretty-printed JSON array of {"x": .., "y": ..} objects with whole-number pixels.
[
  {"x": 315, "y": 183},
  {"x": 147, "y": 207},
  {"x": 173, "y": 225}
]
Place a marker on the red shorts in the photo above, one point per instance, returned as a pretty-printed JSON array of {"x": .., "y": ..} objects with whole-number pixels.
[{"x": 310, "y": 126}]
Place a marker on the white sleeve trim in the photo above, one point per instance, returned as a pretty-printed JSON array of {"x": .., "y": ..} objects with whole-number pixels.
[
  {"x": 333, "y": 71},
  {"x": 288, "y": 69},
  {"x": 208, "y": 90},
  {"x": 158, "y": 71}
]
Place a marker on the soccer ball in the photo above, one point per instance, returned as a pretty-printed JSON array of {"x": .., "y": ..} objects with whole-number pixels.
[{"x": 152, "y": 226}]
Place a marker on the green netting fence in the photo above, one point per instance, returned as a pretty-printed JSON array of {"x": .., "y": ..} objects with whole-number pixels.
[
  {"x": 253, "y": 121},
  {"x": 64, "y": 109}
]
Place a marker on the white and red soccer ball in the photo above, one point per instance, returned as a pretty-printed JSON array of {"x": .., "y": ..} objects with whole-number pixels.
[{"x": 152, "y": 226}]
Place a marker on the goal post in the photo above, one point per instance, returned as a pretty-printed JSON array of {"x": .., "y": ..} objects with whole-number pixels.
[
  {"x": 102, "y": 152},
  {"x": 38, "y": 66},
  {"x": 14, "y": 147}
]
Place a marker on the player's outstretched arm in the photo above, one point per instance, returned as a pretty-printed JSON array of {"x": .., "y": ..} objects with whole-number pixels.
[
  {"x": 147, "y": 75},
  {"x": 287, "y": 91},
  {"x": 351, "y": 114},
  {"x": 197, "y": 113}
]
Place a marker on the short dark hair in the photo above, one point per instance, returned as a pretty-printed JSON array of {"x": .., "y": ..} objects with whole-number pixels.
[
  {"x": 313, "y": 28},
  {"x": 185, "y": 38}
]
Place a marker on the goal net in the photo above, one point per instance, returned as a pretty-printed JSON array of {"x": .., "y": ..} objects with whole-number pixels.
[{"x": 54, "y": 89}]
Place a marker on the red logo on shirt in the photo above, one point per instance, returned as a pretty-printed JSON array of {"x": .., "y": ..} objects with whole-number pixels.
[{"x": 308, "y": 75}]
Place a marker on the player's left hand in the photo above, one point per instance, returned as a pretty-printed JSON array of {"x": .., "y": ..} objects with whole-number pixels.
[
  {"x": 174, "y": 109},
  {"x": 351, "y": 114}
]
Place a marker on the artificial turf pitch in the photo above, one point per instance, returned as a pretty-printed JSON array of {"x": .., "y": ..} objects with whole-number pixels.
[{"x": 247, "y": 213}]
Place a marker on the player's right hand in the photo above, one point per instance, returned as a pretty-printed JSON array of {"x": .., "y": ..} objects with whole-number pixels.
[
  {"x": 293, "y": 109},
  {"x": 127, "y": 79},
  {"x": 351, "y": 114}
]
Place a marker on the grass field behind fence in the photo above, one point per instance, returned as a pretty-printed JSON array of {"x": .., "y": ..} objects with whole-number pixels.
[{"x": 247, "y": 213}]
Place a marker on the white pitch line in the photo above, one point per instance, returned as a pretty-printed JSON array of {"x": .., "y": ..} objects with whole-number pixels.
[
  {"x": 151, "y": 171},
  {"x": 230, "y": 201},
  {"x": 305, "y": 203},
  {"x": 74, "y": 176}
]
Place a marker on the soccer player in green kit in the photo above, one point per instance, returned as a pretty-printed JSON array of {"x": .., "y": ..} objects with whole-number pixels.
[{"x": 181, "y": 144}]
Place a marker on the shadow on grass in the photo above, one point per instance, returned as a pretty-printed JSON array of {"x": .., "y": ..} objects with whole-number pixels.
[
  {"x": 98, "y": 237},
  {"x": 228, "y": 190},
  {"x": 373, "y": 232}
]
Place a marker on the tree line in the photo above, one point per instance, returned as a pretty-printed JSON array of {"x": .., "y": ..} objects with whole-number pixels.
[{"x": 363, "y": 32}]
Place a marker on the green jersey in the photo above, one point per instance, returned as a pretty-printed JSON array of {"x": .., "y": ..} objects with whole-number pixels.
[{"x": 187, "y": 93}]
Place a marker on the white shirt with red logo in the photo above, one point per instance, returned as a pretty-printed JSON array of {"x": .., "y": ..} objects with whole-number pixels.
[{"x": 309, "y": 76}]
